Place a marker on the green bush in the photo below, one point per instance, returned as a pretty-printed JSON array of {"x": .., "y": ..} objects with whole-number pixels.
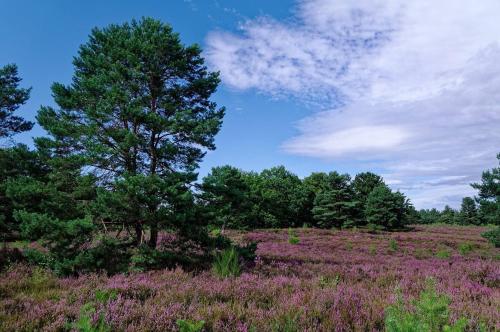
[
  {"x": 465, "y": 248},
  {"x": 443, "y": 253},
  {"x": 105, "y": 295},
  {"x": 393, "y": 245},
  {"x": 429, "y": 313},
  {"x": 84, "y": 322},
  {"x": 286, "y": 323},
  {"x": 190, "y": 326},
  {"x": 246, "y": 252},
  {"x": 493, "y": 236},
  {"x": 420, "y": 253},
  {"x": 292, "y": 237},
  {"x": 226, "y": 263},
  {"x": 329, "y": 281},
  {"x": 374, "y": 228}
]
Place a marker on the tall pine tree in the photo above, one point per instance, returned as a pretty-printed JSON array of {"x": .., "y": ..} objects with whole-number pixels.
[
  {"x": 334, "y": 205},
  {"x": 11, "y": 98},
  {"x": 138, "y": 114}
]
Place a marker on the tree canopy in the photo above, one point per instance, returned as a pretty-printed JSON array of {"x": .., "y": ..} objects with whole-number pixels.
[{"x": 11, "y": 98}]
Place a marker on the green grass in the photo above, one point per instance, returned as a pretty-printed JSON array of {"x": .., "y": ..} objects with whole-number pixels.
[{"x": 226, "y": 263}]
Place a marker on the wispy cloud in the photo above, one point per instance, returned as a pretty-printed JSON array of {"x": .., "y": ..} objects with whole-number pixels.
[{"x": 409, "y": 86}]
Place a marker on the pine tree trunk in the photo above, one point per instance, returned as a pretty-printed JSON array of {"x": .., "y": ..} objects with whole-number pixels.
[
  {"x": 138, "y": 234},
  {"x": 154, "y": 236}
]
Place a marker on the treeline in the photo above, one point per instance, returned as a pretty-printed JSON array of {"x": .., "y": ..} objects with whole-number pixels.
[
  {"x": 277, "y": 198},
  {"x": 484, "y": 209}
]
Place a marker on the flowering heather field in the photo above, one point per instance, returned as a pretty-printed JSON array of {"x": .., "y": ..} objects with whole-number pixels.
[{"x": 329, "y": 281}]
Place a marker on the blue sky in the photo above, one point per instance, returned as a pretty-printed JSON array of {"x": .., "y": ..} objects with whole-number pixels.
[{"x": 408, "y": 90}]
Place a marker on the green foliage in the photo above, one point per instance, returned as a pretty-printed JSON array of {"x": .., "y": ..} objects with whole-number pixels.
[
  {"x": 84, "y": 322},
  {"x": 63, "y": 238},
  {"x": 465, "y": 248},
  {"x": 448, "y": 216},
  {"x": 17, "y": 164},
  {"x": 281, "y": 198},
  {"x": 215, "y": 232},
  {"x": 363, "y": 184},
  {"x": 292, "y": 236},
  {"x": 387, "y": 209},
  {"x": 142, "y": 131},
  {"x": 11, "y": 98},
  {"x": 246, "y": 200},
  {"x": 286, "y": 323},
  {"x": 226, "y": 263},
  {"x": 393, "y": 245},
  {"x": 421, "y": 253},
  {"x": 334, "y": 204},
  {"x": 443, "y": 253},
  {"x": 329, "y": 281},
  {"x": 105, "y": 295},
  {"x": 489, "y": 195},
  {"x": 372, "y": 250},
  {"x": 429, "y": 313},
  {"x": 374, "y": 228},
  {"x": 246, "y": 252},
  {"x": 190, "y": 326},
  {"x": 468, "y": 212},
  {"x": 493, "y": 236},
  {"x": 226, "y": 197}
]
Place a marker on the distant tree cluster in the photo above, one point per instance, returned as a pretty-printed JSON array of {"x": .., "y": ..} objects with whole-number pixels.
[
  {"x": 484, "y": 209},
  {"x": 277, "y": 198}
]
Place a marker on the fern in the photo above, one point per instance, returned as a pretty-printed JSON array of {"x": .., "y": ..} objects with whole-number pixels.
[
  {"x": 226, "y": 263},
  {"x": 190, "y": 326}
]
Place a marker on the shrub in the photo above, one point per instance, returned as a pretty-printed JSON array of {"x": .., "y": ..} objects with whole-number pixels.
[
  {"x": 292, "y": 237},
  {"x": 422, "y": 253},
  {"x": 393, "y": 245},
  {"x": 84, "y": 322},
  {"x": 190, "y": 326},
  {"x": 464, "y": 248},
  {"x": 374, "y": 228},
  {"x": 429, "y": 313},
  {"x": 493, "y": 236},
  {"x": 443, "y": 253},
  {"x": 328, "y": 281},
  {"x": 286, "y": 323},
  {"x": 9, "y": 256},
  {"x": 226, "y": 263},
  {"x": 105, "y": 295},
  {"x": 372, "y": 250},
  {"x": 216, "y": 232},
  {"x": 246, "y": 252}
]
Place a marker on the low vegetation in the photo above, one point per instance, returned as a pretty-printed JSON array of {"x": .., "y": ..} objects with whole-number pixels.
[{"x": 318, "y": 285}]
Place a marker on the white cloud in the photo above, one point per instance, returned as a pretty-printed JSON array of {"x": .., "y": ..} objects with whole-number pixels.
[
  {"x": 412, "y": 85},
  {"x": 353, "y": 140}
]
